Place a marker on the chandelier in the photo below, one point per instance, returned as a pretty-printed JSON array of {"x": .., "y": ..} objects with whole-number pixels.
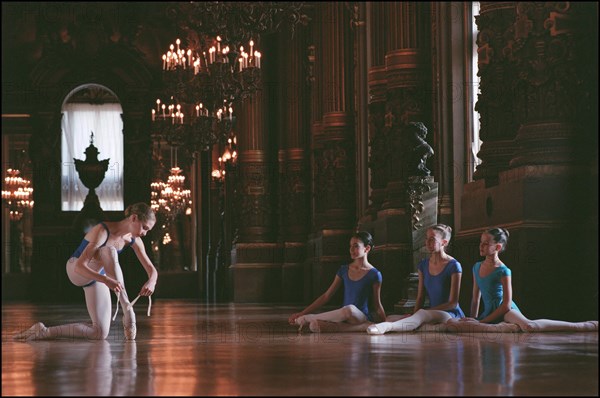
[
  {"x": 228, "y": 157},
  {"x": 17, "y": 194},
  {"x": 219, "y": 64},
  {"x": 171, "y": 198}
]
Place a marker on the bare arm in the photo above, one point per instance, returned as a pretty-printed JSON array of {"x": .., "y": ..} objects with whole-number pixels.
[
  {"x": 377, "y": 302},
  {"x": 140, "y": 252},
  {"x": 96, "y": 236},
  {"x": 452, "y": 302},
  {"x": 475, "y": 297},
  {"x": 420, "y": 294},
  {"x": 320, "y": 301},
  {"x": 499, "y": 312}
]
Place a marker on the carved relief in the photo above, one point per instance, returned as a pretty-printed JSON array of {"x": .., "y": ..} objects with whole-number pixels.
[
  {"x": 294, "y": 197},
  {"x": 416, "y": 188},
  {"x": 496, "y": 103},
  {"x": 334, "y": 176},
  {"x": 255, "y": 208},
  {"x": 378, "y": 146}
]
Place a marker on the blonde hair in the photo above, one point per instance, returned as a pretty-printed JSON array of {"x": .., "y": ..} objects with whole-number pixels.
[
  {"x": 444, "y": 230},
  {"x": 141, "y": 210}
]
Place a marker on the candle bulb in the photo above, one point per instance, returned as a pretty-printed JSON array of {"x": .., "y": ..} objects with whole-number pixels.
[
  {"x": 197, "y": 110},
  {"x": 158, "y": 105},
  {"x": 164, "y": 58},
  {"x": 177, "y": 42},
  {"x": 230, "y": 113},
  {"x": 163, "y": 109},
  {"x": 153, "y": 114}
]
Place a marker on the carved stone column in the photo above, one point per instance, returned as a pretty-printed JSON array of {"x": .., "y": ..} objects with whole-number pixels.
[
  {"x": 377, "y": 96},
  {"x": 400, "y": 93},
  {"x": 333, "y": 148},
  {"x": 255, "y": 260},
  {"x": 293, "y": 166}
]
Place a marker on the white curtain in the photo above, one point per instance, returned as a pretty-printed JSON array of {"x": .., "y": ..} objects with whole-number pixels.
[{"x": 78, "y": 121}]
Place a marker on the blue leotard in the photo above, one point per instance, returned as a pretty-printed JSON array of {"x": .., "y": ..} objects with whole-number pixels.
[
  {"x": 438, "y": 286},
  {"x": 358, "y": 292},
  {"x": 491, "y": 290}
]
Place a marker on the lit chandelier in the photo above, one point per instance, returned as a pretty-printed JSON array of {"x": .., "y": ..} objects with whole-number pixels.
[
  {"x": 17, "y": 194},
  {"x": 219, "y": 64},
  {"x": 171, "y": 198}
]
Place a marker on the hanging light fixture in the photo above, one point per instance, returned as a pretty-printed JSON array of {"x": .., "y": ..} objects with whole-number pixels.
[
  {"x": 219, "y": 64},
  {"x": 171, "y": 198},
  {"x": 17, "y": 194}
]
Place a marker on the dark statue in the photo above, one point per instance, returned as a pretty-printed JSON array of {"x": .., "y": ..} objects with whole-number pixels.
[{"x": 418, "y": 150}]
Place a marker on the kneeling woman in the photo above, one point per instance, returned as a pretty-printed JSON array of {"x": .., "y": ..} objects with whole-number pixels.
[{"x": 95, "y": 267}]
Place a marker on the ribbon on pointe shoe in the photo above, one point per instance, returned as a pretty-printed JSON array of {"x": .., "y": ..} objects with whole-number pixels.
[
  {"x": 130, "y": 306},
  {"x": 117, "y": 305}
]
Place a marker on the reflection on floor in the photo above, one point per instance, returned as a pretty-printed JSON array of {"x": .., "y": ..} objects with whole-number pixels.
[{"x": 187, "y": 348}]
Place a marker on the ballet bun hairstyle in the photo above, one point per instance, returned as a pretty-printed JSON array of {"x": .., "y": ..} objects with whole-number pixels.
[
  {"x": 142, "y": 211},
  {"x": 500, "y": 235},
  {"x": 365, "y": 238},
  {"x": 444, "y": 230}
]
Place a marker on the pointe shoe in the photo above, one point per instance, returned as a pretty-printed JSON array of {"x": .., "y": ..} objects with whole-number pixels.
[
  {"x": 36, "y": 332},
  {"x": 314, "y": 326},
  {"x": 301, "y": 321},
  {"x": 130, "y": 331},
  {"x": 129, "y": 326},
  {"x": 378, "y": 329},
  {"x": 593, "y": 324}
]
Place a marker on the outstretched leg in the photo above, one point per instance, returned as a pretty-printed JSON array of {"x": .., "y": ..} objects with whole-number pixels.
[
  {"x": 108, "y": 256},
  {"x": 549, "y": 325},
  {"x": 349, "y": 313},
  {"x": 410, "y": 323},
  {"x": 318, "y": 326}
]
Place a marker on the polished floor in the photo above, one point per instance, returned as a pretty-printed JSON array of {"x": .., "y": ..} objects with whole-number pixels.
[{"x": 186, "y": 348}]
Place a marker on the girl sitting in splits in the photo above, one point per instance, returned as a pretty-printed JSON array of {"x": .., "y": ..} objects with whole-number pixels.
[
  {"x": 361, "y": 281},
  {"x": 95, "y": 267},
  {"x": 439, "y": 277},
  {"x": 492, "y": 282}
]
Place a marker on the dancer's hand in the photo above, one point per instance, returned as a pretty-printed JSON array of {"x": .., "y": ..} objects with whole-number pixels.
[
  {"x": 148, "y": 288},
  {"x": 292, "y": 318},
  {"x": 113, "y": 284}
]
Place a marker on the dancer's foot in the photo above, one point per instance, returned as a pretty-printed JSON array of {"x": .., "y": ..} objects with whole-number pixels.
[
  {"x": 380, "y": 328},
  {"x": 314, "y": 326},
  {"x": 591, "y": 326},
  {"x": 129, "y": 325},
  {"x": 36, "y": 332},
  {"x": 301, "y": 321}
]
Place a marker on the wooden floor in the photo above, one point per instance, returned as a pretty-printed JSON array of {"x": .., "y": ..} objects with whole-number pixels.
[{"x": 187, "y": 348}]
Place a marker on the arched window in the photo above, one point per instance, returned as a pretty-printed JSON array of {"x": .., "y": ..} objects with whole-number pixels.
[{"x": 87, "y": 109}]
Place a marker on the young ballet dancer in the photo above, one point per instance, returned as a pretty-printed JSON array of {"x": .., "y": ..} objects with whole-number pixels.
[
  {"x": 439, "y": 277},
  {"x": 94, "y": 266},
  {"x": 361, "y": 282},
  {"x": 492, "y": 283}
]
